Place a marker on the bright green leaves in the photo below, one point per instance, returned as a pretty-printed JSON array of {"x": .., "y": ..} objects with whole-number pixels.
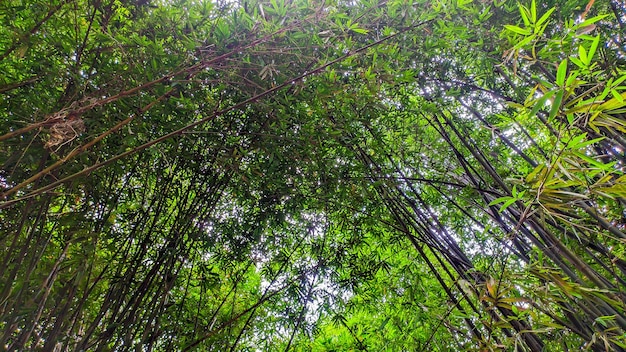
[
  {"x": 568, "y": 178},
  {"x": 222, "y": 30},
  {"x": 561, "y": 73},
  {"x": 509, "y": 200},
  {"x": 279, "y": 7},
  {"x": 541, "y": 24},
  {"x": 585, "y": 56},
  {"x": 573, "y": 114},
  {"x": 586, "y": 26},
  {"x": 529, "y": 16},
  {"x": 529, "y": 41},
  {"x": 354, "y": 27},
  {"x": 462, "y": 4},
  {"x": 346, "y": 25},
  {"x": 565, "y": 97},
  {"x": 556, "y": 103},
  {"x": 121, "y": 13},
  {"x": 580, "y": 142},
  {"x": 518, "y": 30},
  {"x": 346, "y": 170},
  {"x": 532, "y": 30}
]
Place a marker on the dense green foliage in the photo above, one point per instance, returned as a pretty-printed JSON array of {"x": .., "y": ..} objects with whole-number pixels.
[{"x": 312, "y": 176}]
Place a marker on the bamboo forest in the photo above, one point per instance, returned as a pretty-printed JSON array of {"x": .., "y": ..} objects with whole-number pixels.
[{"x": 312, "y": 175}]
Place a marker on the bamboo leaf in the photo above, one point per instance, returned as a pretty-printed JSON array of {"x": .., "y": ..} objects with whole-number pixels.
[
  {"x": 545, "y": 17},
  {"x": 359, "y": 30},
  {"x": 500, "y": 200},
  {"x": 541, "y": 102},
  {"x": 582, "y": 54},
  {"x": 592, "y": 49},
  {"x": 518, "y": 30},
  {"x": 618, "y": 81},
  {"x": 524, "y": 13},
  {"x": 561, "y": 73},
  {"x": 524, "y": 42},
  {"x": 578, "y": 142},
  {"x": 614, "y": 103},
  {"x": 556, "y": 104},
  {"x": 534, "y": 175},
  {"x": 578, "y": 62},
  {"x": 507, "y": 204},
  {"x": 589, "y": 21},
  {"x": 617, "y": 96}
]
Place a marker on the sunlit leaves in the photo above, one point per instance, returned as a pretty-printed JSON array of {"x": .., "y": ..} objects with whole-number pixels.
[{"x": 366, "y": 175}]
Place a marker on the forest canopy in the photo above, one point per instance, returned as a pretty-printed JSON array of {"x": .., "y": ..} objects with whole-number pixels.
[{"x": 306, "y": 175}]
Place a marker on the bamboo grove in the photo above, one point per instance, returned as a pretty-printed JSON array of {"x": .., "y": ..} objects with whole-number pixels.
[{"x": 395, "y": 175}]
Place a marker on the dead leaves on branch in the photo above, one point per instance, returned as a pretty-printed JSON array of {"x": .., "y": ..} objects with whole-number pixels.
[{"x": 64, "y": 132}]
